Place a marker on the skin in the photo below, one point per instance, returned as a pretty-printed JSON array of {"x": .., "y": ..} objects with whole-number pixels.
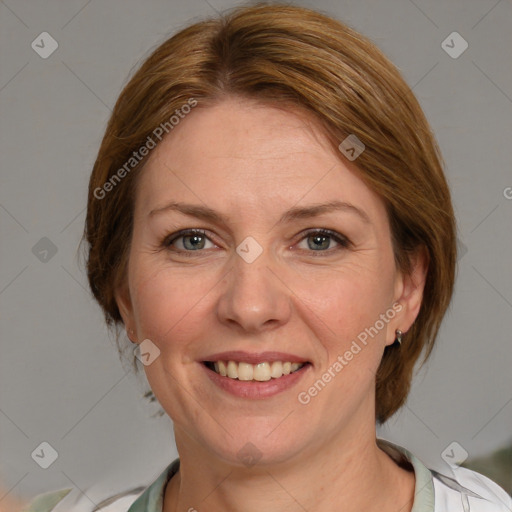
[
  {"x": 251, "y": 163},
  {"x": 9, "y": 503}
]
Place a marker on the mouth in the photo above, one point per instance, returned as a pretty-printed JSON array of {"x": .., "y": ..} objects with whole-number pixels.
[
  {"x": 259, "y": 372},
  {"x": 256, "y": 376}
]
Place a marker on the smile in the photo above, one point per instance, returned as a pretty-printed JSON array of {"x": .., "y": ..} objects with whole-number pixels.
[{"x": 259, "y": 372}]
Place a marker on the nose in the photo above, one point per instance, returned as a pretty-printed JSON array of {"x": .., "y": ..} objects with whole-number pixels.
[{"x": 253, "y": 298}]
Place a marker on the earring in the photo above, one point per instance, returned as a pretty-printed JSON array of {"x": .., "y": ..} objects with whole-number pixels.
[
  {"x": 130, "y": 331},
  {"x": 399, "y": 335}
]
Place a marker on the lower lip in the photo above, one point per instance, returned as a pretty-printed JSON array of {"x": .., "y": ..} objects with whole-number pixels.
[{"x": 254, "y": 389}]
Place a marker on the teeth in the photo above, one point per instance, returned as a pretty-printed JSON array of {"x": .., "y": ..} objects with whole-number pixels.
[
  {"x": 232, "y": 370},
  {"x": 245, "y": 371},
  {"x": 294, "y": 367},
  {"x": 222, "y": 368},
  {"x": 260, "y": 372},
  {"x": 276, "y": 370}
]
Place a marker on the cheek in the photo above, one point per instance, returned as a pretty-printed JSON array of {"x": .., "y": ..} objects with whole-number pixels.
[
  {"x": 347, "y": 300},
  {"x": 170, "y": 310},
  {"x": 169, "y": 304},
  {"x": 344, "y": 312}
]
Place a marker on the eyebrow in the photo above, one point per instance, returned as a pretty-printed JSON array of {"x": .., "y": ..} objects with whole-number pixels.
[{"x": 295, "y": 213}]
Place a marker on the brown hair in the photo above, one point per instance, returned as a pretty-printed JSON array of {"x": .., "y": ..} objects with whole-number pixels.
[{"x": 297, "y": 57}]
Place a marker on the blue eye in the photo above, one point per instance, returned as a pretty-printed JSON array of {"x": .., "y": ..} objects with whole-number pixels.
[
  {"x": 189, "y": 240},
  {"x": 196, "y": 240},
  {"x": 321, "y": 240}
]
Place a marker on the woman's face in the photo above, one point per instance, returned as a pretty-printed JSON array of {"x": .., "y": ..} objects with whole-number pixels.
[{"x": 288, "y": 260}]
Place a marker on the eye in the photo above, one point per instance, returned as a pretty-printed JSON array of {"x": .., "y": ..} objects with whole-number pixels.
[
  {"x": 317, "y": 240},
  {"x": 322, "y": 240},
  {"x": 188, "y": 240}
]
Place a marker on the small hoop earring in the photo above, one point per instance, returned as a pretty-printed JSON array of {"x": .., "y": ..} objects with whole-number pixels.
[{"x": 399, "y": 335}]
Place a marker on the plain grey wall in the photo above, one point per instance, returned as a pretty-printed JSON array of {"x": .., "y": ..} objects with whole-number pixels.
[{"x": 61, "y": 381}]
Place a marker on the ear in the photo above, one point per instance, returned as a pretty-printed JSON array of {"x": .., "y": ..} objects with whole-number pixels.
[
  {"x": 124, "y": 303},
  {"x": 409, "y": 289}
]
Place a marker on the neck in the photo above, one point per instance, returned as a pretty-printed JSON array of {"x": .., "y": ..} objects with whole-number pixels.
[
  {"x": 344, "y": 466},
  {"x": 358, "y": 474}
]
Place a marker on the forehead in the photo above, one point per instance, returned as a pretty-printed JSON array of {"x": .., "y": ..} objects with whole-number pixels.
[{"x": 240, "y": 152}]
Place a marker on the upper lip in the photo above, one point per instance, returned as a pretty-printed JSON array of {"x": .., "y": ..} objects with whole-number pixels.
[{"x": 254, "y": 357}]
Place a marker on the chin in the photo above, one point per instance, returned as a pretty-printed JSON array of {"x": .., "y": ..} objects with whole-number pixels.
[{"x": 252, "y": 443}]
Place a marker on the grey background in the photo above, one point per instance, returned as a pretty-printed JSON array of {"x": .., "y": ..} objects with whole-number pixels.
[{"x": 61, "y": 380}]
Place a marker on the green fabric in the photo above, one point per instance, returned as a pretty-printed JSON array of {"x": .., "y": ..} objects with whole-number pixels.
[
  {"x": 424, "y": 487},
  {"x": 152, "y": 499},
  {"x": 47, "y": 502}
]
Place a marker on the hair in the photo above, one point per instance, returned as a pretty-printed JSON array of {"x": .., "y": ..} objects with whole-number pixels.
[{"x": 292, "y": 57}]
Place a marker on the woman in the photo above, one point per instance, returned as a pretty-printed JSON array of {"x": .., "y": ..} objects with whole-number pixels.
[{"x": 269, "y": 220}]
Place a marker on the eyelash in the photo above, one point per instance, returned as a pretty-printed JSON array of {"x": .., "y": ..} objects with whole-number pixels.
[{"x": 343, "y": 241}]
